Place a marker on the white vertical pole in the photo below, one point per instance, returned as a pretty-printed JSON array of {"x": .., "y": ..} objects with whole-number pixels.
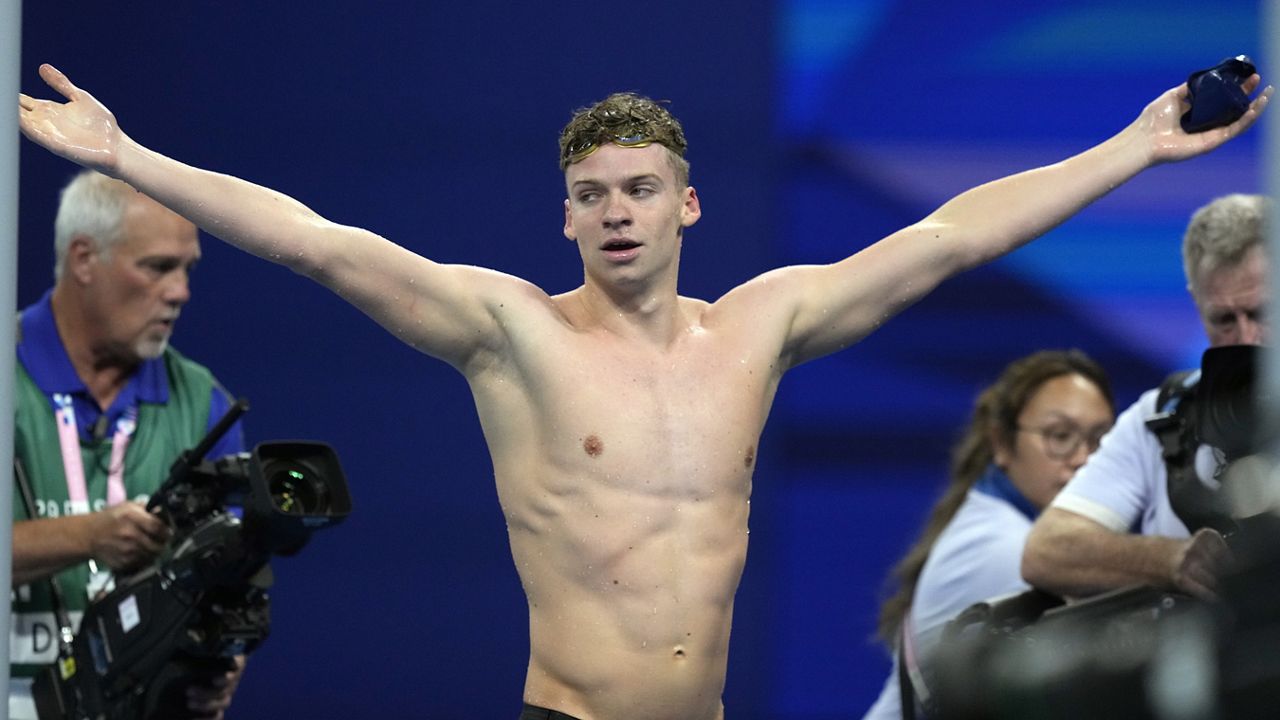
[
  {"x": 10, "y": 65},
  {"x": 1271, "y": 186}
]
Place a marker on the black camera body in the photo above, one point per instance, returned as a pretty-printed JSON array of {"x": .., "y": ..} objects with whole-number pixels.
[
  {"x": 1134, "y": 652},
  {"x": 204, "y": 600}
]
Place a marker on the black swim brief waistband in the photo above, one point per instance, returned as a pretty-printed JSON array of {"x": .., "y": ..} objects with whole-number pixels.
[{"x": 533, "y": 712}]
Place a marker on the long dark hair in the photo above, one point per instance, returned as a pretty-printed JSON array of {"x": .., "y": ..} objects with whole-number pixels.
[{"x": 995, "y": 411}]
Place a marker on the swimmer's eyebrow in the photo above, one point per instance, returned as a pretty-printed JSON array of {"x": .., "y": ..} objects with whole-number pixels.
[{"x": 646, "y": 177}]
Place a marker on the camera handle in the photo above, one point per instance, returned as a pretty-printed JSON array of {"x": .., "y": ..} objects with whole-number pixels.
[
  {"x": 189, "y": 459},
  {"x": 192, "y": 457}
]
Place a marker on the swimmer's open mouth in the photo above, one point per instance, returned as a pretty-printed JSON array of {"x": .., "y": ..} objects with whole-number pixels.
[{"x": 621, "y": 245}]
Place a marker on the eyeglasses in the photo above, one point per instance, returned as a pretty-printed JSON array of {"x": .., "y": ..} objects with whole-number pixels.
[{"x": 1063, "y": 441}]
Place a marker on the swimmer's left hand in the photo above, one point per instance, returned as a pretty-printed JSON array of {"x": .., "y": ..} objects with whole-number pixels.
[{"x": 1160, "y": 123}]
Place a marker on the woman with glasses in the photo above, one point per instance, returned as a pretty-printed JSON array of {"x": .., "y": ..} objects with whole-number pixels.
[{"x": 1029, "y": 433}]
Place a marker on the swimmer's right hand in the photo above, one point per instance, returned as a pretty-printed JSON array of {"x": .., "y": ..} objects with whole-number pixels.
[{"x": 82, "y": 129}]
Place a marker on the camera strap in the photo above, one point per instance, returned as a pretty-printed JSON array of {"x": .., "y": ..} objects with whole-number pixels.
[
  {"x": 1173, "y": 424},
  {"x": 912, "y": 688},
  {"x": 73, "y": 465},
  {"x": 58, "y": 602}
]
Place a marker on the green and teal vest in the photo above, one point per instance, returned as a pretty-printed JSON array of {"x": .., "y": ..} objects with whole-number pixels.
[{"x": 163, "y": 433}]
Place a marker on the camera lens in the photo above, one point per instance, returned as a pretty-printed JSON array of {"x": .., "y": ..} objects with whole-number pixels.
[
  {"x": 295, "y": 490},
  {"x": 1227, "y": 398}
]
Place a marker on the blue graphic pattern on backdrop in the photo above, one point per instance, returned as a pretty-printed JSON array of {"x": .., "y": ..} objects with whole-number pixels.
[{"x": 890, "y": 108}]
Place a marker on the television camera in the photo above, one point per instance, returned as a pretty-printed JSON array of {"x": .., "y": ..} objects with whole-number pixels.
[
  {"x": 204, "y": 600},
  {"x": 1142, "y": 652}
]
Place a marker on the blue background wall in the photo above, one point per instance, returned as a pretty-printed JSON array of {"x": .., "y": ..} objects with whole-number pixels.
[{"x": 816, "y": 127}]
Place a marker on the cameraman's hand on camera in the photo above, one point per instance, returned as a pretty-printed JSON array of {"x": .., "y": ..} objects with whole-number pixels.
[
  {"x": 209, "y": 697},
  {"x": 1199, "y": 562},
  {"x": 126, "y": 536}
]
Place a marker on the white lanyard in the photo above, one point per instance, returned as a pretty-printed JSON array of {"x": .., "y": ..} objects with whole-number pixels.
[
  {"x": 911, "y": 660},
  {"x": 73, "y": 467}
]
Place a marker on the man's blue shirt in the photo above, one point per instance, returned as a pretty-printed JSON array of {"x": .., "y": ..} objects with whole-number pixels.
[{"x": 45, "y": 358}]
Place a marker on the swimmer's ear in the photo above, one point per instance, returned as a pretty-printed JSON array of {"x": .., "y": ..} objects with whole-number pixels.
[
  {"x": 691, "y": 209},
  {"x": 569, "y": 232}
]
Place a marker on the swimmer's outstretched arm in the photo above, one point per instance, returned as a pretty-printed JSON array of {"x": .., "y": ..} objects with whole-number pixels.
[
  {"x": 833, "y": 306},
  {"x": 443, "y": 310}
]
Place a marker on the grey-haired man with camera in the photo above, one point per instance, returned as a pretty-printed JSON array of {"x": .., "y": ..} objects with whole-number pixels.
[{"x": 1083, "y": 544}]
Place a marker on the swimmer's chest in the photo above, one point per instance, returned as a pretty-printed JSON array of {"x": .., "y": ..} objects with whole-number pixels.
[{"x": 690, "y": 414}]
